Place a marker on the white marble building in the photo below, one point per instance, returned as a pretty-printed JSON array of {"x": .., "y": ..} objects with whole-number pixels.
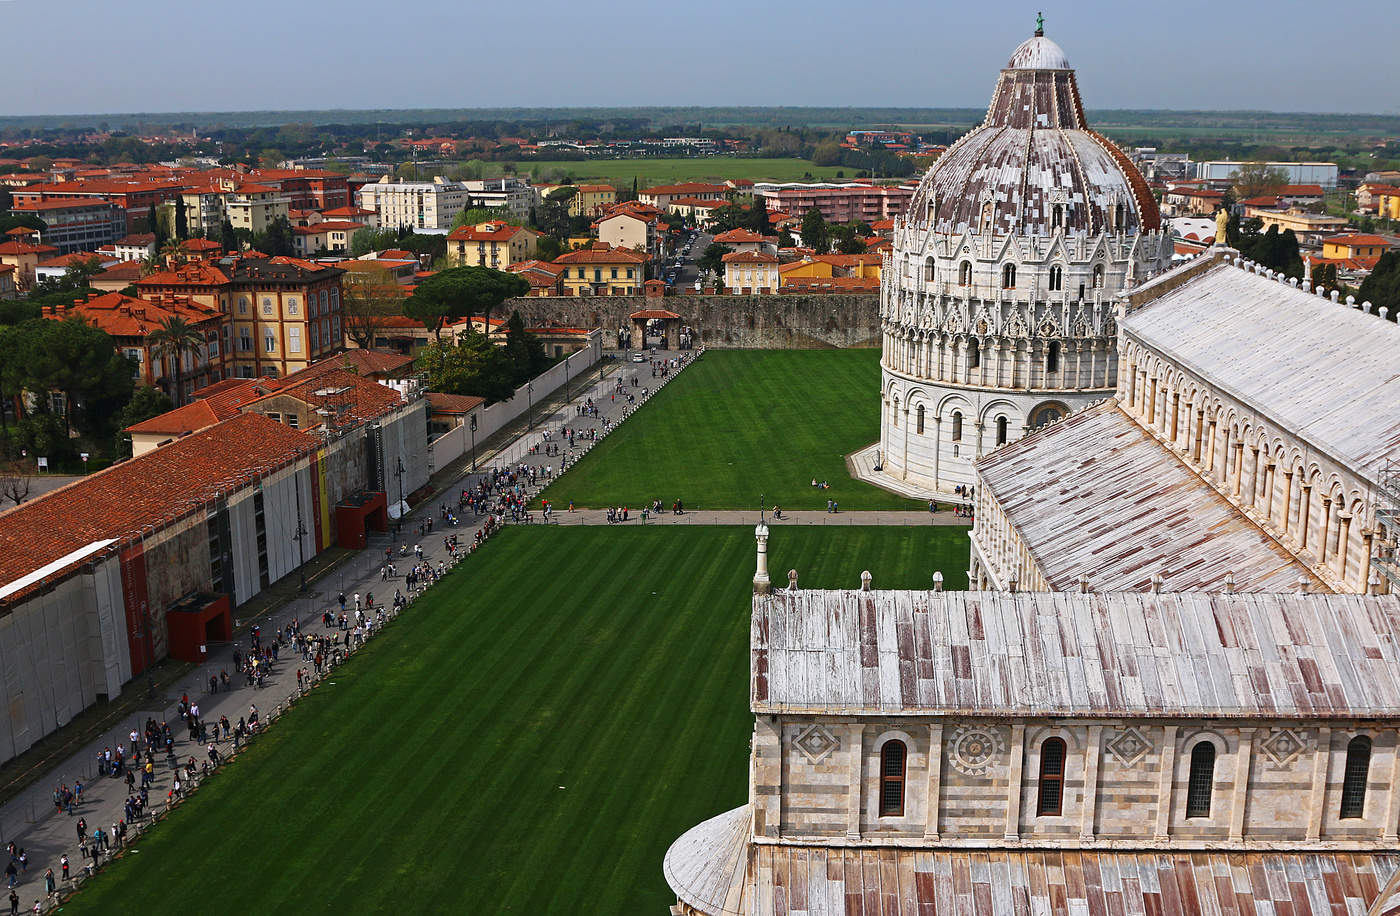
[{"x": 998, "y": 300}]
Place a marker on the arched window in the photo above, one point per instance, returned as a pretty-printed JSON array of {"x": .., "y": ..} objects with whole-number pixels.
[
  {"x": 965, "y": 273},
  {"x": 1081, "y": 291},
  {"x": 892, "y": 755},
  {"x": 974, "y": 354},
  {"x": 1052, "y": 357},
  {"x": 957, "y": 426},
  {"x": 1118, "y": 217},
  {"x": 1052, "y": 778},
  {"x": 1057, "y": 278},
  {"x": 1008, "y": 276},
  {"x": 1354, "y": 779},
  {"x": 919, "y": 414},
  {"x": 1098, "y": 276},
  {"x": 928, "y": 270},
  {"x": 1201, "y": 781},
  {"x": 1001, "y": 430},
  {"x": 1057, "y": 216},
  {"x": 896, "y": 412}
]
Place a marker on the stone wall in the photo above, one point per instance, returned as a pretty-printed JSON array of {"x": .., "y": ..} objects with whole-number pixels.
[
  {"x": 794, "y": 322},
  {"x": 1125, "y": 781}
]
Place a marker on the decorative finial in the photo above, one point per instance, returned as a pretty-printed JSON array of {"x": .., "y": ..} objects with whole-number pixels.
[{"x": 1039, "y": 24}]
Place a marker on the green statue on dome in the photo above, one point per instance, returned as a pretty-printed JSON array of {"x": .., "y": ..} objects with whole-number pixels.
[{"x": 1039, "y": 24}]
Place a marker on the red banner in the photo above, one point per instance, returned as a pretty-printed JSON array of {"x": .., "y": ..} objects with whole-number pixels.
[{"x": 139, "y": 637}]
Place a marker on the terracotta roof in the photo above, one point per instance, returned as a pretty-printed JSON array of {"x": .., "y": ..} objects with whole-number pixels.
[
  {"x": 750, "y": 257},
  {"x": 490, "y": 231},
  {"x": 357, "y": 398},
  {"x": 1303, "y": 190},
  {"x": 602, "y": 253},
  {"x": 1197, "y": 192},
  {"x": 191, "y": 273},
  {"x": 452, "y": 403},
  {"x": 648, "y": 314},
  {"x": 329, "y": 225},
  {"x": 127, "y": 316},
  {"x": 186, "y": 419},
  {"x": 701, "y": 204},
  {"x": 738, "y": 237},
  {"x": 154, "y": 489},
  {"x": 81, "y": 203},
  {"x": 122, "y": 270},
  {"x": 201, "y": 245},
  {"x": 365, "y": 362},
  {"x": 829, "y": 284},
  {"x": 688, "y": 187},
  {"x": 1359, "y": 241},
  {"x": 19, "y": 248},
  {"x": 77, "y": 257}
]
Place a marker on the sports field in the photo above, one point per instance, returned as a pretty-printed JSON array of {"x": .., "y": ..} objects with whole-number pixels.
[
  {"x": 738, "y": 425},
  {"x": 672, "y": 171},
  {"x": 530, "y": 738}
]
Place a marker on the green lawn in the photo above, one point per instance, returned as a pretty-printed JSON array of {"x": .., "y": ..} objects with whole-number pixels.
[
  {"x": 672, "y": 171},
  {"x": 529, "y": 739},
  {"x": 742, "y": 424}
]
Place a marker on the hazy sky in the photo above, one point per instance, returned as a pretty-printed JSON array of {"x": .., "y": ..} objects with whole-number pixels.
[{"x": 92, "y": 56}]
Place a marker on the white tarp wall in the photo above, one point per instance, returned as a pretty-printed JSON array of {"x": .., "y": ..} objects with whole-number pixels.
[
  {"x": 404, "y": 434},
  {"x": 112, "y": 663},
  {"x": 245, "y": 545},
  {"x": 280, "y": 492},
  {"x": 454, "y": 443}
]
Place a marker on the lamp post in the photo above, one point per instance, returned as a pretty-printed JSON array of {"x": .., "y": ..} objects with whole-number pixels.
[
  {"x": 399, "y": 472},
  {"x": 300, "y": 536},
  {"x": 530, "y": 403},
  {"x": 472, "y": 424}
]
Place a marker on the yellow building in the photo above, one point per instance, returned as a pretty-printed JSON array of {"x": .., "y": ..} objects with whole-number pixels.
[
  {"x": 1302, "y": 224},
  {"x": 494, "y": 244},
  {"x": 1355, "y": 246},
  {"x": 589, "y": 199},
  {"x": 602, "y": 270}
]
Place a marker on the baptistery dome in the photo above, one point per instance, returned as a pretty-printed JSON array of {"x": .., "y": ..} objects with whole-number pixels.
[{"x": 999, "y": 297}]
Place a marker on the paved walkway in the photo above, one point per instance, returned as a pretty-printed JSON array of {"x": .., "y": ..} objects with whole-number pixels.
[{"x": 31, "y": 820}]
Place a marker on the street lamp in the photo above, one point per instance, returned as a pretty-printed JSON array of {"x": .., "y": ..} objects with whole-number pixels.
[
  {"x": 473, "y": 429},
  {"x": 530, "y": 403},
  {"x": 399, "y": 472},
  {"x": 300, "y": 536}
]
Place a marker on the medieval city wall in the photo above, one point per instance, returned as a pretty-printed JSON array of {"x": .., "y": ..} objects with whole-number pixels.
[{"x": 793, "y": 322}]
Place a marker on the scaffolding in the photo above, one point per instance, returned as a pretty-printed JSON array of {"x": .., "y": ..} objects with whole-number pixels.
[{"x": 1383, "y": 558}]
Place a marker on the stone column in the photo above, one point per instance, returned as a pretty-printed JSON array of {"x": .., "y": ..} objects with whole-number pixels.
[
  {"x": 855, "y": 736},
  {"x": 1166, "y": 783},
  {"x": 1200, "y": 420},
  {"x": 1343, "y": 544},
  {"x": 762, "y": 585},
  {"x": 1326, "y": 529},
  {"x": 1013, "y": 777},
  {"x": 1253, "y": 475},
  {"x": 904, "y": 446},
  {"x": 1287, "y": 501},
  {"x": 1132, "y": 385},
  {"x": 1367, "y": 538},
  {"x": 1152, "y": 400},
  {"x": 1176, "y": 412},
  {"x": 1270, "y": 473},
  {"x": 1240, "y": 795},
  {"x": 1322, "y": 757},
  {"x": 937, "y": 445},
  {"x": 1239, "y": 467},
  {"x": 1392, "y": 805},
  {"x": 935, "y": 779},
  {"x": 1089, "y": 805},
  {"x": 1210, "y": 450},
  {"x": 979, "y": 425},
  {"x": 1304, "y": 513}
]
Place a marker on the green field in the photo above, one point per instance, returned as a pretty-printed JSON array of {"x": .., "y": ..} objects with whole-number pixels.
[
  {"x": 738, "y": 425},
  {"x": 671, "y": 171},
  {"x": 530, "y": 738}
]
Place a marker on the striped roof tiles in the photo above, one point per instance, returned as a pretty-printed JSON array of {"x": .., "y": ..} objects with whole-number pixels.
[{"x": 997, "y": 654}]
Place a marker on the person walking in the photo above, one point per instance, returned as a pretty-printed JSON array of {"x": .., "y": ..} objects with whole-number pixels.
[
  {"x": 63, "y": 865},
  {"x": 50, "y": 885},
  {"x": 14, "y": 903}
]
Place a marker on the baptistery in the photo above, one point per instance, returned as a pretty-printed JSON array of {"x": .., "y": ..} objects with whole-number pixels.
[{"x": 998, "y": 300}]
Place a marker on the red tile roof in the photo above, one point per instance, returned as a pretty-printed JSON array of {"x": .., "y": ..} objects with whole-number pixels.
[
  {"x": 186, "y": 419},
  {"x": 602, "y": 253},
  {"x": 19, "y": 248},
  {"x": 193, "y": 273},
  {"x": 127, "y": 316},
  {"x": 157, "y": 488},
  {"x": 750, "y": 257},
  {"x": 738, "y": 237},
  {"x": 490, "y": 231},
  {"x": 1359, "y": 240},
  {"x": 453, "y": 403},
  {"x": 688, "y": 188}
]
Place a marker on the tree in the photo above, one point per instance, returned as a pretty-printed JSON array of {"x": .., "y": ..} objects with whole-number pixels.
[
  {"x": 173, "y": 340},
  {"x": 276, "y": 240},
  {"x": 368, "y": 239},
  {"x": 182, "y": 225},
  {"x": 547, "y": 248},
  {"x": 851, "y": 244},
  {"x": 473, "y": 365},
  {"x": 524, "y": 349},
  {"x": 713, "y": 258},
  {"x": 154, "y": 226},
  {"x": 229, "y": 239},
  {"x": 756, "y": 218},
  {"x": 78, "y": 273},
  {"x": 14, "y": 483},
  {"x": 367, "y": 302},
  {"x": 75, "y": 359},
  {"x": 461, "y": 292},
  {"x": 146, "y": 402},
  {"x": 815, "y": 234},
  {"x": 1382, "y": 287},
  {"x": 173, "y": 252},
  {"x": 827, "y": 153},
  {"x": 1258, "y": 179},
  {"x": 785, "y": 239},
  {"x": 475, "y": 216}
]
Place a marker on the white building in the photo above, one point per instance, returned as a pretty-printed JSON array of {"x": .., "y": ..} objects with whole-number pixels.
[
  {"x": 997, "y": 302},
  {"x": 512, "y": 194},
  {"x": 423, "y": 206},
  {"x": 1223, "y": 170},
  {"x": 751, "y": 272}
]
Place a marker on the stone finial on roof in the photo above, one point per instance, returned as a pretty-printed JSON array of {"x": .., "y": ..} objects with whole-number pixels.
[
  {"x": 1335, "y": 295},
  {"x": 1011, "y": 583},
  {"x": 1156, "y": 583},
  {"x": 1229, "y": 583},
  {"x": 938, "y": 581},
  {"x": 1084, "y": 585},
  {"x": 1301, "y": 586},
  {"x": 865, "y": 581},
  {"x": 792, "y": 580}
]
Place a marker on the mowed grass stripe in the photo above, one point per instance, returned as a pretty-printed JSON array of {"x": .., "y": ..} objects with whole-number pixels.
[
  {"x": 425, "y": 780},
  {"x": 740, "y": 425}
]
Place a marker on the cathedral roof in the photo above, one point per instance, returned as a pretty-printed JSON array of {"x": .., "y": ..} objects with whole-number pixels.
[
  {"x": 1068, "y": 654},
  {"x": 1322, "y": 371},
  {"x": 1032, "y": 153}
]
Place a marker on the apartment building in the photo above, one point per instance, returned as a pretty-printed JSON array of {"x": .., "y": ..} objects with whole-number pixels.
[
  {"x": 77, "y": 225},
  {"x": 493, "y": 244},
  {"x": 422, "y": 206},
  {"x": 837, "y": 202}
]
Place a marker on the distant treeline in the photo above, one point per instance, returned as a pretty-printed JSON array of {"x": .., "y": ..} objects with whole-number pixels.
[{"x": 683, "y": 119}]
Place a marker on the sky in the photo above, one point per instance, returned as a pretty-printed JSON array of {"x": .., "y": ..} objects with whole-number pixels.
[{"x": 100, "y": 56}]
